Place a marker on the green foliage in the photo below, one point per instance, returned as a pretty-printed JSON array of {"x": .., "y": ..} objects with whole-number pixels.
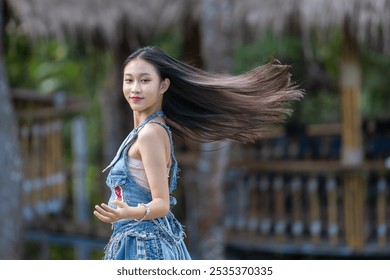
[
  {"x": 328, "y": 50},
  {"x": 61, "y": 252},
  {"x": 33, "y": 251},
  {"x": 321, "y": 107},
  {"x": 375, "y": 85},
  {"x": 49, "y": 66},
  {"x": 170, "y": 42},
  {"x": 97, "y": 254},
  {"x": 286, "y": 49}
]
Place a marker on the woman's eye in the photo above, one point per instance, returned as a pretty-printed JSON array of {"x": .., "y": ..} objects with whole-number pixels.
[
  {"x": 145, "y": 80},
  {"x": 128, "y": 80}
]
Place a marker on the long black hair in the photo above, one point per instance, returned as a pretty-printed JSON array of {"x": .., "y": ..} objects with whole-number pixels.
[{"x": 209, "y": 106}]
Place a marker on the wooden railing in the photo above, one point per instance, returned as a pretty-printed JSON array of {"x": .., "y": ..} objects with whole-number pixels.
[
  {"x": 55, "y": 203},
  {"x": 293, "y": 195},
  {"x": 46, "y": 180}
]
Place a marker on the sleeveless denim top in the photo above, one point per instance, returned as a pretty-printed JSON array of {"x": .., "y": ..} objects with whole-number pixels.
[{"x": 160, "y": 238}]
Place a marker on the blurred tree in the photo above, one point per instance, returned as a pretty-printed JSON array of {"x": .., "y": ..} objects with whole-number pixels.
[{"x": 10, "y": 172}]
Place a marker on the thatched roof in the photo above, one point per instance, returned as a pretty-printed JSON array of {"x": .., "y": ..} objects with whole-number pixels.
[
  {"x": 364, "y": 18},
  {"x": 368, "y": 19},
  {"x": 91, "y": 19},
  {"x": 257, "y": 17}
]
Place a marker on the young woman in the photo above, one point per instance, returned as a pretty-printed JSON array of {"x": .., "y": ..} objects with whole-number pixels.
[{"x": 166, "y": 94}]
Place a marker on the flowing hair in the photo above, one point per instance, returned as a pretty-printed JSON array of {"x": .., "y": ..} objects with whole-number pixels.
[{"x": 208, "y": 106}]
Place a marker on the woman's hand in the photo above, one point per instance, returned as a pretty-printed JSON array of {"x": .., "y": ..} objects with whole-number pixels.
[{"x": 110, "y": 215}]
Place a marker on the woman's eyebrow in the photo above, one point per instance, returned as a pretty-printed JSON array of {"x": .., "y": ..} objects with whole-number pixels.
[{"x": 140, "y": 74}]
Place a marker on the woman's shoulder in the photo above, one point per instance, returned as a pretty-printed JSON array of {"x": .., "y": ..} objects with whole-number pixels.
[
  {"x": 152, "y": 139},
  {"x": 153, "y": 132}
]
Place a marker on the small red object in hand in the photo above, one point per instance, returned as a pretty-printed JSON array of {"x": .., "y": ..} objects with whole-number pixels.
[{"x": 118, "y": 193}]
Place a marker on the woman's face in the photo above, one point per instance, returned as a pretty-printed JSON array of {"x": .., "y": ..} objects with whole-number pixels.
[{"x": 143, "y": 87}]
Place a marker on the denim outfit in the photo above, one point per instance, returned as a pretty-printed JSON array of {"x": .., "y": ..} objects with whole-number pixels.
[{"x": 155, "y": 239}]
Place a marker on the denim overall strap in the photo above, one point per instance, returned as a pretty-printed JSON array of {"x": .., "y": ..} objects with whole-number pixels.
[{"x": 131, "y": 136}]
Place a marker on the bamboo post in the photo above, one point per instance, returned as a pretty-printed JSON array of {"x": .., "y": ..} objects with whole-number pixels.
[
  {"x": 354, "y": 210},
  {"x": 352, "y": 150}
]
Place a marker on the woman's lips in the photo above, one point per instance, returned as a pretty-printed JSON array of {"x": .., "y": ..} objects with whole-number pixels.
[{"x": 135, "y": 98}]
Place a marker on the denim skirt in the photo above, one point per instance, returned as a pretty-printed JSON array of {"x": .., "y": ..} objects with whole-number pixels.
[{"x": 157, "y": 239}]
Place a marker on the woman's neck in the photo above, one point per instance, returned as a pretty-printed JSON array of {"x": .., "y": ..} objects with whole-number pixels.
[{"x": 140, "y": 117}]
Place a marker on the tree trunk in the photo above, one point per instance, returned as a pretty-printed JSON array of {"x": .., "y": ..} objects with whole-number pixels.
[
  {"x": 207, "y": 233},
  {"x": 10, "y": 171}
]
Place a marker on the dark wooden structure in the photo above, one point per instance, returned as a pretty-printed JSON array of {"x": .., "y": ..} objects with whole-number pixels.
[
  {"x": 44, "y": 182},
  {"x": 291, "y": 194},
  {"x": 41, "y": 123},
  {"x": 54, "y": 196}
]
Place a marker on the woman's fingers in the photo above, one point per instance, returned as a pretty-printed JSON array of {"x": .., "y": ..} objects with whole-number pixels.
[
  {"x": 107, "y": 208},
  {"x": 105, "y": 213},
  {"x": 101, "y": 217},
  {"x": 108, "y": 214}
]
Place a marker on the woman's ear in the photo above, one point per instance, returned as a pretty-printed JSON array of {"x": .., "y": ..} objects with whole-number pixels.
[{"x": 165, "y": 85}]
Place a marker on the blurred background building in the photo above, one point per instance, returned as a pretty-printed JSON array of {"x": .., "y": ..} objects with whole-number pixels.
[{"x": 315, "y": 186}]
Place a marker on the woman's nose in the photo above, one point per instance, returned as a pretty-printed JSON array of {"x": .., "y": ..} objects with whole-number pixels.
[{"x": 135, "y": 87}]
